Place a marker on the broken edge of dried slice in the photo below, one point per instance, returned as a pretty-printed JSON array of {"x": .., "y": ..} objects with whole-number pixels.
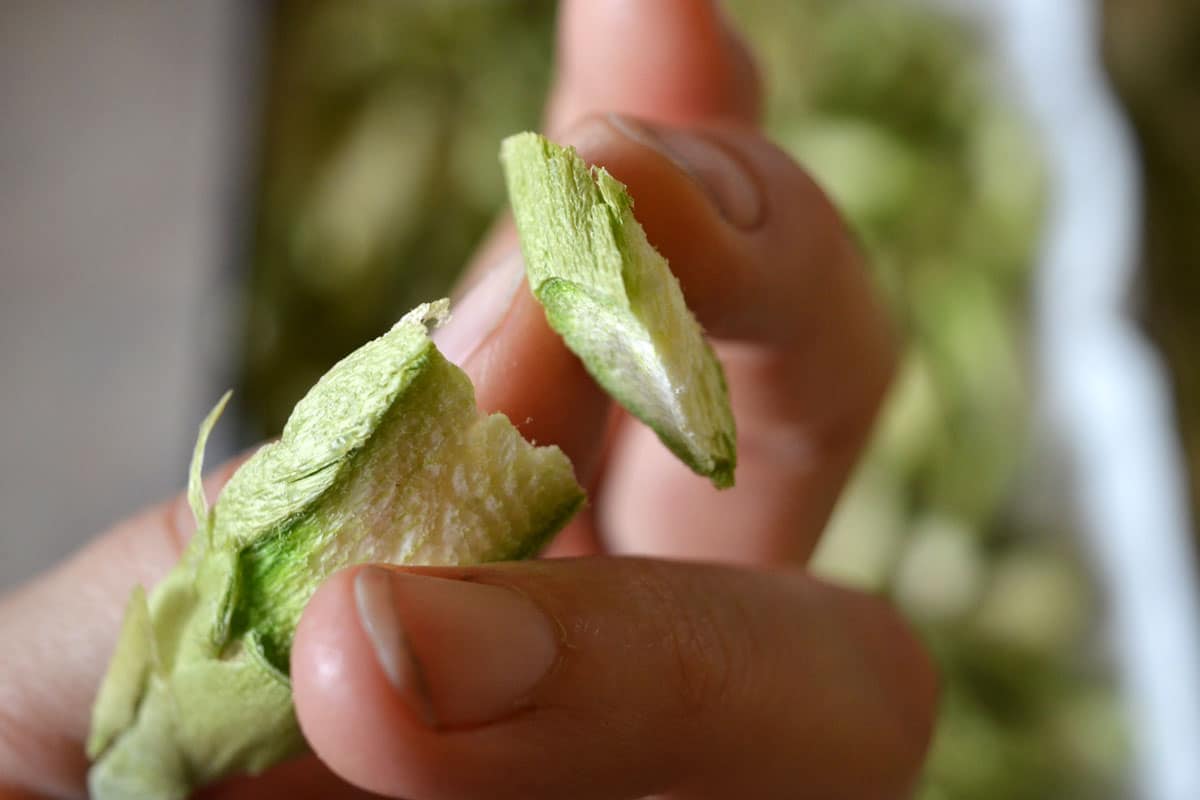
[{"x": 613, "y": 299}]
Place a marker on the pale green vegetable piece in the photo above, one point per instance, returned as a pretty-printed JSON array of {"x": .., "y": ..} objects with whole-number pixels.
[
  {"x": 613, "y": 299},
  {"x": 386, "y": 459}
]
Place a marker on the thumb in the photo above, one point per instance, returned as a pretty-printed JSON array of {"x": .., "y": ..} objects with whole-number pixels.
[{"x": 606, "y": 678}]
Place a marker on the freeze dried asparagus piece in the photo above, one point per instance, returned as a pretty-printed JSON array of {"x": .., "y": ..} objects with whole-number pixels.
[
  {"x": 386, "y": 459},
  {"x": 613, "y": 299}
]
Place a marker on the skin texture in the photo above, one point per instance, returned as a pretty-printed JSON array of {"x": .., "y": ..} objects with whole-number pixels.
[{"x": 741, "y": 677}]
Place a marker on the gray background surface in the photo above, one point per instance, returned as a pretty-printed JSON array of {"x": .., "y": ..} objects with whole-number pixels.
[{"x": 121, "y": 136}]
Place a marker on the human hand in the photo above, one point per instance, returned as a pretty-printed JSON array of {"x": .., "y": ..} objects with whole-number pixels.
[{"x": 600, "y": 676}]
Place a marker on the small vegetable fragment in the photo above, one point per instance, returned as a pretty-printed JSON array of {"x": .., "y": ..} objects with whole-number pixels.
[
  {"x": 386, "y": 459},
  {"x": 613, "y": 299}
]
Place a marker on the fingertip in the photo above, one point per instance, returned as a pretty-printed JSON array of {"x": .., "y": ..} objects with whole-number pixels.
[
  {"x": 382, "y": 725},
  {"x": 346, "y": 708},
  {"x": 746, "y": 230},
  {"x": 670, "y": 60}
]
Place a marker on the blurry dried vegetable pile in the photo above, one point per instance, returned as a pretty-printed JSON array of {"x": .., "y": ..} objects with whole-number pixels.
[
  {"x": 380, "y": 174},
  {"x": 379, "y": 170},
  {"x": 954, "y": 511}
]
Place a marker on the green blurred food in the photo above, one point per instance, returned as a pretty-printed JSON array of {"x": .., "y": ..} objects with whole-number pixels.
[{"x": 380, "y": 175}]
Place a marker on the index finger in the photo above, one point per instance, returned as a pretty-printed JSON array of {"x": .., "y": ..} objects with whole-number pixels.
[{"x": 769, "y": 268}]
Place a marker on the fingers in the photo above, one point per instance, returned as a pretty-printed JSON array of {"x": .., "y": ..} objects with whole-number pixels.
[
  {"x": 761, "y": 253},
  {"x": 70, "y": 617},
  {"x": 763, "y": 258},
  {"x": 769, "y": 268},
  {"x": 605, "y": 51},
  {"x": 610, "y": 678},
  {"x": 784, "y": 283},
  {"x": 671, "y": 60}
]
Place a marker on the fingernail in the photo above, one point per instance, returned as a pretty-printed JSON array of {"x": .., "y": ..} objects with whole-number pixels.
[
  {"x": 459, "y": 653},
  {"x": 729, "y": 185},
  {"x": 477, "y": 315}
]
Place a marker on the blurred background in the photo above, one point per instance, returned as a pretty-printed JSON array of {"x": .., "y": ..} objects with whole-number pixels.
[{"x": 196, "y": 196}]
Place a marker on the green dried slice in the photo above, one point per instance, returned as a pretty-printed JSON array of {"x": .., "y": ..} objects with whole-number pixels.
[
  {"x": 386, "y": 459},
  {"x": 613, "y": 299}
]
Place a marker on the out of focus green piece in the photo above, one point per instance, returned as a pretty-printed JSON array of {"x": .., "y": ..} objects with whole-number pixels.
[
  {"x": 378, "y": 171},
  {"x": 616, "y": 303},
  {"x": 380, "y": 176}
]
